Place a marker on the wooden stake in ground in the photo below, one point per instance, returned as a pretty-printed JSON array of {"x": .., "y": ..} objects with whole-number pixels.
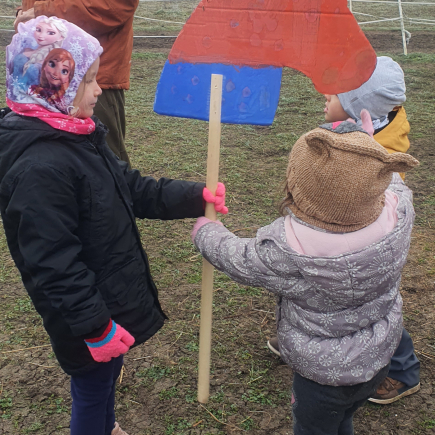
[{"x": 214, "y": 140}]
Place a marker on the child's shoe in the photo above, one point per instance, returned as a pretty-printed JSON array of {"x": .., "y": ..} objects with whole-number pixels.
[
  {"x": 272, "y": 344},
  {"x": 118, "y": 431},
  {"x": 391, "y": 390}
]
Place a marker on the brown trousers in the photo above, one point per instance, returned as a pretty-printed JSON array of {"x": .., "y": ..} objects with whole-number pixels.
[{"x": 110, "y": 111}]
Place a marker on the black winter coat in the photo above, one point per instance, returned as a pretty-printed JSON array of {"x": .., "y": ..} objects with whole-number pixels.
[{"x": 68, "y": 207}]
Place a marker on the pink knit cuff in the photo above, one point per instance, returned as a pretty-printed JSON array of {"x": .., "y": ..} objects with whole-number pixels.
[{"x": 201, "y": 221}]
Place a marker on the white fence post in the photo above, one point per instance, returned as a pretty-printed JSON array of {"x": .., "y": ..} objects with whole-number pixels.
[{"x": 402, "y": 26}]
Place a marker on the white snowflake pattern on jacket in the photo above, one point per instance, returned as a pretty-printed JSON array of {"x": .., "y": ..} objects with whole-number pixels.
[{"x": 339, "y": 318}]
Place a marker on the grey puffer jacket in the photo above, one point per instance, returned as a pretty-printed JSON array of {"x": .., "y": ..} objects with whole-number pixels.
[{"x": 339, "y": 318}]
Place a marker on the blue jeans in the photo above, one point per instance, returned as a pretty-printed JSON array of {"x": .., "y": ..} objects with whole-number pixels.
[
  {"x": 327, "y": 410},
  {"x": 405, "y": 366},
  {"x": 93, "y": 394}
]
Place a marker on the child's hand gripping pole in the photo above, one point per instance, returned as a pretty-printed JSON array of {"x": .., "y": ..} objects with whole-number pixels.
[
  {"x": 218, "y": 200},
  {"x": 214, "y": 139}
]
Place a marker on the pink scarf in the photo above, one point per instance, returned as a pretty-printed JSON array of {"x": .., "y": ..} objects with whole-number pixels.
[{"x": 58, "y": 121}]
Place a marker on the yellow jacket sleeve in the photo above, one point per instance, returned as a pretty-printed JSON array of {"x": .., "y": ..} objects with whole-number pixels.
[{"x": 394, "y": 137}]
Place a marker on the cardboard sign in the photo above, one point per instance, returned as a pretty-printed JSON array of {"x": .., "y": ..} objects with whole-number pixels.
[{"x": 249, "y": 41}]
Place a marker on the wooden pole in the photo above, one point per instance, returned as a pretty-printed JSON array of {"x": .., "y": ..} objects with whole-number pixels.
[{"x": 214, "y": 140}]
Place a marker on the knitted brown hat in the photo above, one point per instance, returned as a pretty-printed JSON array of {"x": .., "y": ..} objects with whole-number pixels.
[{"x": 336, "y": 178}]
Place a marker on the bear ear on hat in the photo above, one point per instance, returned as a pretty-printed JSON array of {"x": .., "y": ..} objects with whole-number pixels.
[
  {"x": 318, "y": 141},
  {"x": 399, "y": 162}
]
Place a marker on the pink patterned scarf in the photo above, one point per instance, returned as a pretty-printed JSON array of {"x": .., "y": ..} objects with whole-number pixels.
[{"x": 59, "y": 121}]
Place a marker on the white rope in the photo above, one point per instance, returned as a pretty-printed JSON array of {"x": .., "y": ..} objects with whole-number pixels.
[
  {"x": 406, "y": 36},
  {"x": 394, "y": 3},
  {"x": 420, "y": 19},
  {"x": 136, "y": 16},
  {"x": 366, "y": 15},
  {"x": 369, "y": 15},
  {"x": 414, "y": 21},
  {"x": 138, "y": 36},
  {"x": 378, "y": 21},
  {"x": 155, "y": 36},
  {"x": 162, "y": 21}
]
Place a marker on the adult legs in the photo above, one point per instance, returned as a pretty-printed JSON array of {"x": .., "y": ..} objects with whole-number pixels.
[
  {"x": 93, "y": 395},
  {"x": 110, "y": 111}
]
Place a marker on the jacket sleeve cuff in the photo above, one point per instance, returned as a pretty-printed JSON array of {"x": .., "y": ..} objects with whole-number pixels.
[
  {"x": 201, "y": 209},
  {"x": 92, "y": 327},
  {"x": 99, "y": 333}
]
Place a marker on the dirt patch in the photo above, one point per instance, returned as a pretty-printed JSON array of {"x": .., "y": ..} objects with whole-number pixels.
[
  {"x": 391, "y": 42},
  {"x": 158, "y": 389},
  {"x": 153, "y": 43},
  {"x": 382, "y": 41}
]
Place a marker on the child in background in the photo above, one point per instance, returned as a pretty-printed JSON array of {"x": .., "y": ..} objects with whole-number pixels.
[
  {"x": 334, "y": 261},
  {"x": 383, "y": 96},
  {"x": 68, "y": 206}
]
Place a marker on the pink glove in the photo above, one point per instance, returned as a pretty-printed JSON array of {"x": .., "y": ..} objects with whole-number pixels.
[
  {"x": 218, "y": 200},
  {"x": 115, "y": 341},
  {"x": 201, "y": 221}
]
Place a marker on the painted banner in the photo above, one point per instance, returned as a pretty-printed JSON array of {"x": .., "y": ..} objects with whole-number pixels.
[{"x": 249, "y": 42}]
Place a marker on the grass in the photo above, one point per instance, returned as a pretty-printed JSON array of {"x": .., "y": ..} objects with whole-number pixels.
[
  {"x": 154, "y": 373},
  {"x": 249, "y": 386},
  {"x": 5, "y": 406},
  {"x": 253, "y": 163}
]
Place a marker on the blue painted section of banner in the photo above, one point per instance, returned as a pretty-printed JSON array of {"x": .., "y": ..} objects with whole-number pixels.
[{"x": 249, "y": 95}]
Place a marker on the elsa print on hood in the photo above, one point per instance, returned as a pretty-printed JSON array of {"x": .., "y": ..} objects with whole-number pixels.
[{"x": 48, "y": 75}]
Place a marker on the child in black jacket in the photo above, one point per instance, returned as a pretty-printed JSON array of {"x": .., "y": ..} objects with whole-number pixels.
[{"x": 68, "y": 207}]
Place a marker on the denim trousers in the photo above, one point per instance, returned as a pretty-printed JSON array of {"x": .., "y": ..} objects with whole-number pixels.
[
  {"x": 405, "y": 366},
  {"x": 93, "y": 395},
  {"x": 327, "y": 410}
]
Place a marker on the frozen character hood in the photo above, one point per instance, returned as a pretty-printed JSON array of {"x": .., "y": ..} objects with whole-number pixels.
[{"x": 46, "y": 62}]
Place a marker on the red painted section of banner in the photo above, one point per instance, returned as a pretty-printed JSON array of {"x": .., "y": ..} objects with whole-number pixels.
[{"x": 320, "y": 38}]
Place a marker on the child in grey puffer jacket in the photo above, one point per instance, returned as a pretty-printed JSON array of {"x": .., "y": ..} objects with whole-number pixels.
[{"x": 334, "y": 260}]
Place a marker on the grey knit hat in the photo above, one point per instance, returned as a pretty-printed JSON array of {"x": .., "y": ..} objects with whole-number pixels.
[{"x": 383, "y": 91}]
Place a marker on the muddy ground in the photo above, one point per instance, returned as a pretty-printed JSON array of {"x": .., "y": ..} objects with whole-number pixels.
[{"x": 250, "y": 386}]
